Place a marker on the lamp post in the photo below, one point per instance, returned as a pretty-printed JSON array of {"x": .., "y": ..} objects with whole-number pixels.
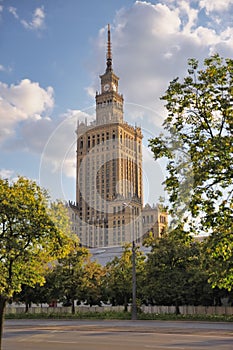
[
  {"x": 134, "y": 284},
  {"x": 134, "y": 278}
]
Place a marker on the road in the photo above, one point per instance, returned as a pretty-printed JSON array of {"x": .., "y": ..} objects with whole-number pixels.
[{"x": 115, "y": 335}]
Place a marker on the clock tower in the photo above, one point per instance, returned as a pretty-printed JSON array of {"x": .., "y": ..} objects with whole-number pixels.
[
  {"x": 109, "y": 194},
  {"x": 109, "y": 103}
]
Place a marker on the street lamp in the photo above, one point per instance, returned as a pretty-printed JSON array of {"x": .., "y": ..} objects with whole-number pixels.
[
  {"x": 134, "y": 283},
  {"x": 134, "y": 278}
]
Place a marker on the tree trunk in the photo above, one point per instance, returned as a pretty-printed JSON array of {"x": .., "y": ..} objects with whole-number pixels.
[
  {"x": 125, "y": 304},
  {"x": 177, "y": 308},
  {"x": 26, "y": 307},
  {"x": 2, "y": 309},
  {"x": 73, "y": 307}
]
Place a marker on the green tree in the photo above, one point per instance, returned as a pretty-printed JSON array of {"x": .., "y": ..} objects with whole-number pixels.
[
  {"x": 199, "y": 148},
  {"x": 50, "y": 292},
  {"x": 93, "y": 283},
  {"x": 28, "y": 295},
  {"x": 29, "y": 237},
  {"x": 174, "y": 274},
  {"x": 68, "y": 276},
  {"x": 119, "y": 276},
  {"x": 218, "y": 257}
]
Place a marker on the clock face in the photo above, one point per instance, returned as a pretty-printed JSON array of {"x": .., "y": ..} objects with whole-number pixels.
[{"x": 106, "y": 87}]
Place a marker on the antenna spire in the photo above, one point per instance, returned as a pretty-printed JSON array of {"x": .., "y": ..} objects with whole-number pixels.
[{"x": 109, "y": 51}]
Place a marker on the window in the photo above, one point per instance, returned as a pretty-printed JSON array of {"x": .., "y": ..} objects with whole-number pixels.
[{"x": 162, "y": 219}]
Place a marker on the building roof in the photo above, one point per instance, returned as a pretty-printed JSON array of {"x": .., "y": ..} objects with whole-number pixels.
[{"x": 104, "y": 255}]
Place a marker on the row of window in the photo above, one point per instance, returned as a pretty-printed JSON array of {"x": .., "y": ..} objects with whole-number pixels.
[
  {"x": 101, "y": 138},
  {"x": 151, "y": 219},
  {"x": 109, "y": 102}
]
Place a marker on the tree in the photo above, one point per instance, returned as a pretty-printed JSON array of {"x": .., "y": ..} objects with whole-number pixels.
[
  {"x": 68, "y": 275},
  {"x": 174, "y": 274},
  {"x": 28, "y": 295},
  {"x": 119, "y": 276},
  {"x": 198, "y": 146},
  {"x": 30, "y": 239},
  {"x": 93, "y": 287}
]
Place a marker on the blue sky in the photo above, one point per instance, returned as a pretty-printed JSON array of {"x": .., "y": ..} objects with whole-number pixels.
[{"x": 52, "y": 53}]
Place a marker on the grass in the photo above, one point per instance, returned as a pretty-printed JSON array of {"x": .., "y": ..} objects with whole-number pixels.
[{"x": 113, "y": 315}]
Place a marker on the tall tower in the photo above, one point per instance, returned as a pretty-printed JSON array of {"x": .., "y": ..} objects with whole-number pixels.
[{"x": 109, "y": 194}]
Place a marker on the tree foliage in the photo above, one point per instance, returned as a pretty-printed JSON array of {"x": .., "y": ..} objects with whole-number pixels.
[
  {"x": 29, "y": 295},
  {"x": 75, "y": 278},
  {"x": 175, "y": 273},
  {"x": 198, "y": 146},
  {"x": 93, "y": 286},
  {"x": 119, "y": 276},
  {"x": 29, "y": 237},
  {"x": 68, "y": 276}
]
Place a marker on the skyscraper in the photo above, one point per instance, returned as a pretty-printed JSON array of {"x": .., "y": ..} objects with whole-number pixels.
[{"x": 109, "y": 189}]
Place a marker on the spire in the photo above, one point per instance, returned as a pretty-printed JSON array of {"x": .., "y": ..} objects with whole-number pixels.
[{"x": 109, "y": 52}]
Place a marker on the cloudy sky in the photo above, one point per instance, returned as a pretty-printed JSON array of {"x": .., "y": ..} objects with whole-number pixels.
[{"x": 52, "y": 53}]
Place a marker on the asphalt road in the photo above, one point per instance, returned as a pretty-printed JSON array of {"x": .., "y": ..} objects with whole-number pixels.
[{"x": 115, "y": 335}]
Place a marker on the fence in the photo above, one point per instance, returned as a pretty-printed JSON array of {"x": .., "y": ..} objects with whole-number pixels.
[
  {"x": 184, "y": 309},
  {"x": 189, "y": 310}
]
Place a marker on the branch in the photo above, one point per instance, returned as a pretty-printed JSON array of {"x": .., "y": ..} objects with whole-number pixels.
[{"x": 200, "y": 115}]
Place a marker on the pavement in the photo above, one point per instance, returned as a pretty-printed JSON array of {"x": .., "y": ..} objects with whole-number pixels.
[{"x": 115, "y": 335}]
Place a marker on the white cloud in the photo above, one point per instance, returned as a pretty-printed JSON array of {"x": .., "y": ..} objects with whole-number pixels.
[
  {"x": 20, "y": 103},
  {"x": 37, "y": 21},
  {"x": 26, "y": 125},
  {"x": 59, "y": 150},
  {"x": 5, "y": 69},
  {"x": 28, "y": 97},
  {"x": 215, "y": 5},
  {"x": 207, "y": 35},
  {"x": 6, "y": 173},
  {"x": 188, "y": 15},
  {"x": 13, "y": 11},
  {"x": 58, "y": 160}
]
